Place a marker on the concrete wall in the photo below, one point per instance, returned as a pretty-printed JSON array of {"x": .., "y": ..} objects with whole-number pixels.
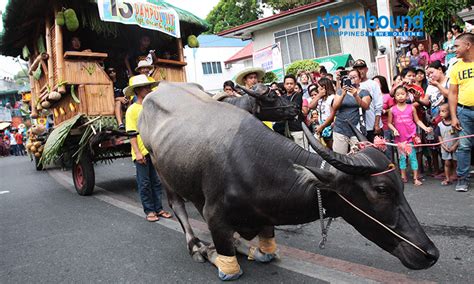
[{"x": 210, "y": 82}]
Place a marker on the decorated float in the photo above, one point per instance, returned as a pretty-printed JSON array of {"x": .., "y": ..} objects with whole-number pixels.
[{"x": 72, "y": 85}]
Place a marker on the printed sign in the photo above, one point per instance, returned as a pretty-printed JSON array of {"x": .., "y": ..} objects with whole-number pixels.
[
  {"x": 269, "y": 58},
  {"x": 142, "y": 13}
]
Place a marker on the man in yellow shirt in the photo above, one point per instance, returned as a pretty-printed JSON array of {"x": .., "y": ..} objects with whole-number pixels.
[
  {"x": 461, "y": 104},
  {"x": 148, "y": 182}
]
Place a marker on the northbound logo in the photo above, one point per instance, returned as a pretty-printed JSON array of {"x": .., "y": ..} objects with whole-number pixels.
[{"x": 362, "y": 23}]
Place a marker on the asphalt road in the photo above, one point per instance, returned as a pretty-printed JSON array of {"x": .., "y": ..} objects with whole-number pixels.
[{"x": 50, "y": 234}]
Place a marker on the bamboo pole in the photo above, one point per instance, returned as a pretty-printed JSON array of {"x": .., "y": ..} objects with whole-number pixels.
[
  {"x": 59, "y": 56},
  {"x": 49, "y": 49},
  {"x": 34, "y": 111},
  {"x": 181, "y": 59},
  {"x": 36, "y": 62},
  {"x": 180, "y": 49}
]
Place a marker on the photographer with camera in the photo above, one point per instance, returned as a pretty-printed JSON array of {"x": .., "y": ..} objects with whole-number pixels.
[{"x": 350, "y": 104}]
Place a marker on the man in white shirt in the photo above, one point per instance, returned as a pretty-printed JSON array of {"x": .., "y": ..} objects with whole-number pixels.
[{"x": 373, "y": 114}]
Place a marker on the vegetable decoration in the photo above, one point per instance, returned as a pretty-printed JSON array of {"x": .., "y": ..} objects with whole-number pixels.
[
  {"x": 41, "y": 48},
  {"x": 193, "y": 41},
  {"x": 25, "y": 52},
  {"x": 71, "y": 21},
  {"x": 60, "y": 18}
]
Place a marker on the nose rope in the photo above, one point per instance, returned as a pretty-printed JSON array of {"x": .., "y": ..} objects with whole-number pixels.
[{"x": 381, "y": 224}]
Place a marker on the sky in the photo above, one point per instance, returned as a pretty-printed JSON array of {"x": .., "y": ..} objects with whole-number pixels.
[{"x": 200, "y": 8}]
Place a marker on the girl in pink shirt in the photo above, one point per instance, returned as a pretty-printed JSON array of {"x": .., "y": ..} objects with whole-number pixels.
[{"x": 402, "y": 120}]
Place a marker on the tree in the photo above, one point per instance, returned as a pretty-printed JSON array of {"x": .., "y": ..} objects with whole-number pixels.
[
  {"x": 231, "y": 13},
  {"x": 438, "y": 15},
  {"x": 283, "y": 5},
  {"x": 21, "y": 78}
]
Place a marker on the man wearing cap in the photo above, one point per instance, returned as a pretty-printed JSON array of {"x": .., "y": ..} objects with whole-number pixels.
[
  {"x": 373, "y": 114},
  {"x": 148, "y": 182}
]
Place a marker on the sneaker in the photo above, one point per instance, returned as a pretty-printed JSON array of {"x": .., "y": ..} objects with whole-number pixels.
[
  {"x": 462, "y": 185},
  {"x": 122, "y": 126}
]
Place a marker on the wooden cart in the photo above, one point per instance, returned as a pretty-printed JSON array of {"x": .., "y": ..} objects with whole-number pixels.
[{"x": 86, "y": 91}]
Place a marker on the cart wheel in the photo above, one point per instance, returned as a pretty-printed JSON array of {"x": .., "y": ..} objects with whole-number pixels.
[
  {"x": 39, "y": 167},
  {"x": 83, "y": 175}
]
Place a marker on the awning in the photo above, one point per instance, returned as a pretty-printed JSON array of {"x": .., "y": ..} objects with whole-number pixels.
[
  {"x": 4, "y": 125},
  {"x": 332, "y": 62}
]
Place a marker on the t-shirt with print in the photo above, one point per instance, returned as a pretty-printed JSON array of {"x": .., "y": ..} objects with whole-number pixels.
[
  {"x": 436, "y": 99},
  {"x": 131, "y": 123},
  {"x": 446, "y": 132},
  {"x": 462, "y": 74}
]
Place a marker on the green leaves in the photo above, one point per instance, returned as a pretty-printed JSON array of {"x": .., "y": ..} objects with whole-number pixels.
[
  {"x": 438, "y": 14},
  {"x": 307, "y": 65},
  {"x": 231, "y": 13},
  {"x": 270, "y": 77},
  {"x": 284, "y": 5}
]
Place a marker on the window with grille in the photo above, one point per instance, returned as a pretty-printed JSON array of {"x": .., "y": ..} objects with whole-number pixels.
[
  {"x": 211, "y": 68},
  {"x": 304, "y": 42}
]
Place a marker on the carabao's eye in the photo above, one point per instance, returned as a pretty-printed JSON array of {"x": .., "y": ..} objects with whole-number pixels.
[{"x": 381, "y": 190}]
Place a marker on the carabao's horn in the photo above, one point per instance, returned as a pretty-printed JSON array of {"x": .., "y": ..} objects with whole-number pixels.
[{"x": 359, "y": 164}]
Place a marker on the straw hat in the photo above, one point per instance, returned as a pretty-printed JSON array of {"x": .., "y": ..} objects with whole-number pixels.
[
  {"x": 138, "y": 81},
  {"x": 144, "y": 64},
  {"x": 239, "y": 78}
]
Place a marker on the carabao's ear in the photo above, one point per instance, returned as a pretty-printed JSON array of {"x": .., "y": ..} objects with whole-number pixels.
[{"x": 322, "y": 179}]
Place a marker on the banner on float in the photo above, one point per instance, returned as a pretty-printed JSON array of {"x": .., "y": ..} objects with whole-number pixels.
[
  {"x": 269, "y": 58},
  {"x": 142, "y": 13}
]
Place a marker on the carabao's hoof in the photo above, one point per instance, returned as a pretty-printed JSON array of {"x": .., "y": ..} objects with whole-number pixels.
[
  {"x": 257, "y": 255},
  {"x": 198, "y": 257},
  {"x": 228, "y": 277}
]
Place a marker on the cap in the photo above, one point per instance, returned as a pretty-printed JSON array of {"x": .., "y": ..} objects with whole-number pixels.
[{"x": 359, "y": 63}]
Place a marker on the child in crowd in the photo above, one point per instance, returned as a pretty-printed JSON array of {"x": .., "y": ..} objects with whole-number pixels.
[
  {"x": 402, "y": 120},
  {"x": 445, "y": 131},
  {"x": 323, "y": 105}
]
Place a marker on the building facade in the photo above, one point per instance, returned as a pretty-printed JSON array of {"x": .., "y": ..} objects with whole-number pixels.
[{"x": 206, "y": 65}]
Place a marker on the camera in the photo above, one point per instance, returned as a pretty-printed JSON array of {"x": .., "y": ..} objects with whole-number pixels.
[
  {"x": 343, "y": 73},
  {"x": 346, "y": 82}
]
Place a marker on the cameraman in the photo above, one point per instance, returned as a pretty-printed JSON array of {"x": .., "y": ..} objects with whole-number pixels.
[{"x": 349, "y": 106}]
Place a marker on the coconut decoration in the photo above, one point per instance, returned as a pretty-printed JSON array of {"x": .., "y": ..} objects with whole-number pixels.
[
  {"x": 54, "y": 96},
  {"x": 45, "y": 104}
]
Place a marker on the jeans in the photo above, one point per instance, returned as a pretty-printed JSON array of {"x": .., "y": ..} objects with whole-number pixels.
[
  {"x": 463, "y": 153},
  {"x": 149, "y": 186}
]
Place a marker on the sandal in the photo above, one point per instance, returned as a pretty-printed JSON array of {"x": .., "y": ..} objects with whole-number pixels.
[
  {"x": 151, "y": 217},
  {"x": 164, "y": 214},
  {"x": 404, "y": 179},
  {"x": 417, "y": 182},
  {"x": 445, "y": 182}
]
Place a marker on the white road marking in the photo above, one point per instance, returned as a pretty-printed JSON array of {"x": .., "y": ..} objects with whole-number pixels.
[{"x": 3, "y": 192}]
